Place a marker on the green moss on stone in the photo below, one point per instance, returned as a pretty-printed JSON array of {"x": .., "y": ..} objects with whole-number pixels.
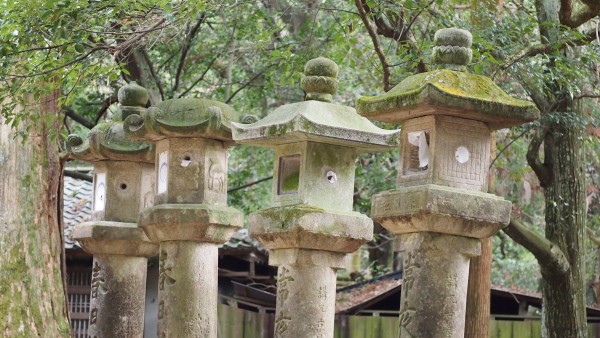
[{"x": 289, "y": 212}]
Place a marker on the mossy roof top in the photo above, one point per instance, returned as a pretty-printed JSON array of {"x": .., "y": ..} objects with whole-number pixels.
[
  {"x": 185, "y": 117},
  {"x": 108, "y": 141},
  {"x": 448, "y": 92},
  {"x": 316, "y": 121}
]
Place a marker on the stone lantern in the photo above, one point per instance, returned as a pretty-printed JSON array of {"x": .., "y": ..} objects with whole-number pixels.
[
  {"x": 311, "y": 225},
  {"x": 441, "y": 210},
  {"x": 190, "y": 217},
  {"x": 123, "y": 185}
]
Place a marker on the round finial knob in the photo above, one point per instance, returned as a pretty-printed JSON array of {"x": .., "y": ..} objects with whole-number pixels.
[
  {"x": 133, "y": 94},
  {"x": 452, "y": 48},
  {"x": 320, "y": 82}
]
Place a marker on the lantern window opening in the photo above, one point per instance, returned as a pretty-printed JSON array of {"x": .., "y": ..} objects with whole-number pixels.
[
  {"x": 289, "y": 174},
  {"x": 417, "y": 152}
]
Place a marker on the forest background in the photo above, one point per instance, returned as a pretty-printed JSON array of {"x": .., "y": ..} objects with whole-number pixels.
[{"x": 62, "y": 63}]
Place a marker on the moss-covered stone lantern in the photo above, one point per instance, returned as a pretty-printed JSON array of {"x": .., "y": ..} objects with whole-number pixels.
[
  {"x": 190, "y": 216},
  {"x": 123, "y": 185},
  {"x": 441, "y": 209},
  {"x": 311, "y": 225}
]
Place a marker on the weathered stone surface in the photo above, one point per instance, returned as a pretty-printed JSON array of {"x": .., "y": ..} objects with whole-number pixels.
[
  {"x": 114, "y": 238},
  {"x": 187, "y": 285},
  {"x": 452, "y": 48},
  {"x": 305, "y": 301},
  {"x": 444, "y": 150},
  {"x": 316, "y": 119},
  {"x": 117, "y": 297},
  {"x": 434, "y": 286},
  {"x": 185, "y": 117},
  {"x": 191, "y": 171},
  {"x": 307, "y": 227},
  {"x": 440, "y": 209},
  {"x": 122, "y": 189},
  {"x": 190, "y": 222}
]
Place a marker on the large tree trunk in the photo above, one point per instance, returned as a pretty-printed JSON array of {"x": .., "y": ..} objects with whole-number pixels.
[
  {"x": 32, "y": 297},
  {"x": 564, "y": 293},
  {"x": 563, "y": 177}
]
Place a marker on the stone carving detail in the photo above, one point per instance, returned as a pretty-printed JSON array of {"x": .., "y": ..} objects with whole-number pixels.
[
  {"x": 216, "y": 176},
  {"x": 412, "y": 267},
  {"x": 98, "y": 281},
  {"x": 283, "y": 283},
  {"x": 164, "y": 270},
  {"x": 93, "y": 316},
  {"x": 281, "y": 325}
]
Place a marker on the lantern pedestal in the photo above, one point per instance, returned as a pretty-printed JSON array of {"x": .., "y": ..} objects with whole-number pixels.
[
  {"x": 434, "y": 283},
  {"x": 189, "y": 235},
  {"x": 118, "y": 276}
]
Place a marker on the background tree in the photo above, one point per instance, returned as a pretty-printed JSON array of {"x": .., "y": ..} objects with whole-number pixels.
[{"x": 249, "y": 54}]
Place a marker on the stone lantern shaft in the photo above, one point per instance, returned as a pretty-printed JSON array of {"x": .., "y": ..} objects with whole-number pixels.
[
  {"x": 123, "y": 183},
  {"x": 190, "y": 217},
  {"x": 311, "y": 225},
  {"x": 441, "y": 210}
]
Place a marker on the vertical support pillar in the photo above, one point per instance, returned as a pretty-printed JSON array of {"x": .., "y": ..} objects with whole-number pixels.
[
  {"x": 306, "y": 284},
  {"x": 434, "y": 285},
  {"x": 118, "y": 282},
  {"x": 188, "y": 289}
]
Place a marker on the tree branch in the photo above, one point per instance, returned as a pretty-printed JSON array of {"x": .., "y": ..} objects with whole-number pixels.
[
  {"x": 78, "y": 175},
  {"x": 541, "y": 170},
  {"x": 248, "y": 83},
  {"x": 184, "y": 50},
  {"x": 78, "y": 118},
  {"x": 549, "y": 256},
  {"x": 200, "y": 78},
  {"x": 104, "y": 107},
  {"x": 249, "y": 184},
  {"x": 360, "y": 5}
]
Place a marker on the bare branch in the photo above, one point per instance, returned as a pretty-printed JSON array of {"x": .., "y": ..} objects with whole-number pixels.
[
  {"x": 200, "y": 78},
  {"x": 193, "y": 31},
  {"x": 541, "y": 170},
  {"x": 78, "y": 175},
  {"x": 104, "y": 107},
  {"x": 249, "y": 184},
  {"x": 549, "y": 256},
  {"x": 78, "y": 118},
  {"x": 360, "y": 5},
  {"x": 248, "y": 83}
]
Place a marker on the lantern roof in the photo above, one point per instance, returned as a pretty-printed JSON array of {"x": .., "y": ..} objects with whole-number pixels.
[
  {"x": 107, "y": 140},
  {"x": 316, "y": 119},
  {"x": 450, "y": 90},
  {"x": 184, "y": 117}
]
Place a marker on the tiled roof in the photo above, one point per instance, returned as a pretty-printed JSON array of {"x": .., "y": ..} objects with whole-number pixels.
[
  {"x": 77, "y": 207},
  {"x": 77, "y": 197}
]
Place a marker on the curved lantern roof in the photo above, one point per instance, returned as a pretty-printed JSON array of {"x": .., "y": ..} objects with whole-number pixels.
[
  {"x": 450, "y": 91},
  {"x": 185, "y": 117},
  {"x": 316, "y": 119},
  {"x": 107, "y": 140}
]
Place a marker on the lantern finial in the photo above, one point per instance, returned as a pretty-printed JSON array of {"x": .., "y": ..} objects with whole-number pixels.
[
  {"x": 452, "y": 48},
  {"x": 320, "y": 82}
]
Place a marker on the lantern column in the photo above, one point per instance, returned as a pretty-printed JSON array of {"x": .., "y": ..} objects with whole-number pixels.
[
  {"x": 311, "y": 225},
  {"x": 190, "y": 217},
  {"x": 123, "y": 185},
  {"x": 441, "y": 210}
]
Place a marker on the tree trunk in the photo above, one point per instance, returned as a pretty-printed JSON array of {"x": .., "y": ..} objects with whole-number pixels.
[
  {"x": 563, "y": 179},
  {"x": 564, "y": 294},
  {"x": 32, "y": 296}
]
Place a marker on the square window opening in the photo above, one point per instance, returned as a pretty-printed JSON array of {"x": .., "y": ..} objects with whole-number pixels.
[
  {"x": 289, "y": 174},
  {"x": 416, "y": 156}
]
